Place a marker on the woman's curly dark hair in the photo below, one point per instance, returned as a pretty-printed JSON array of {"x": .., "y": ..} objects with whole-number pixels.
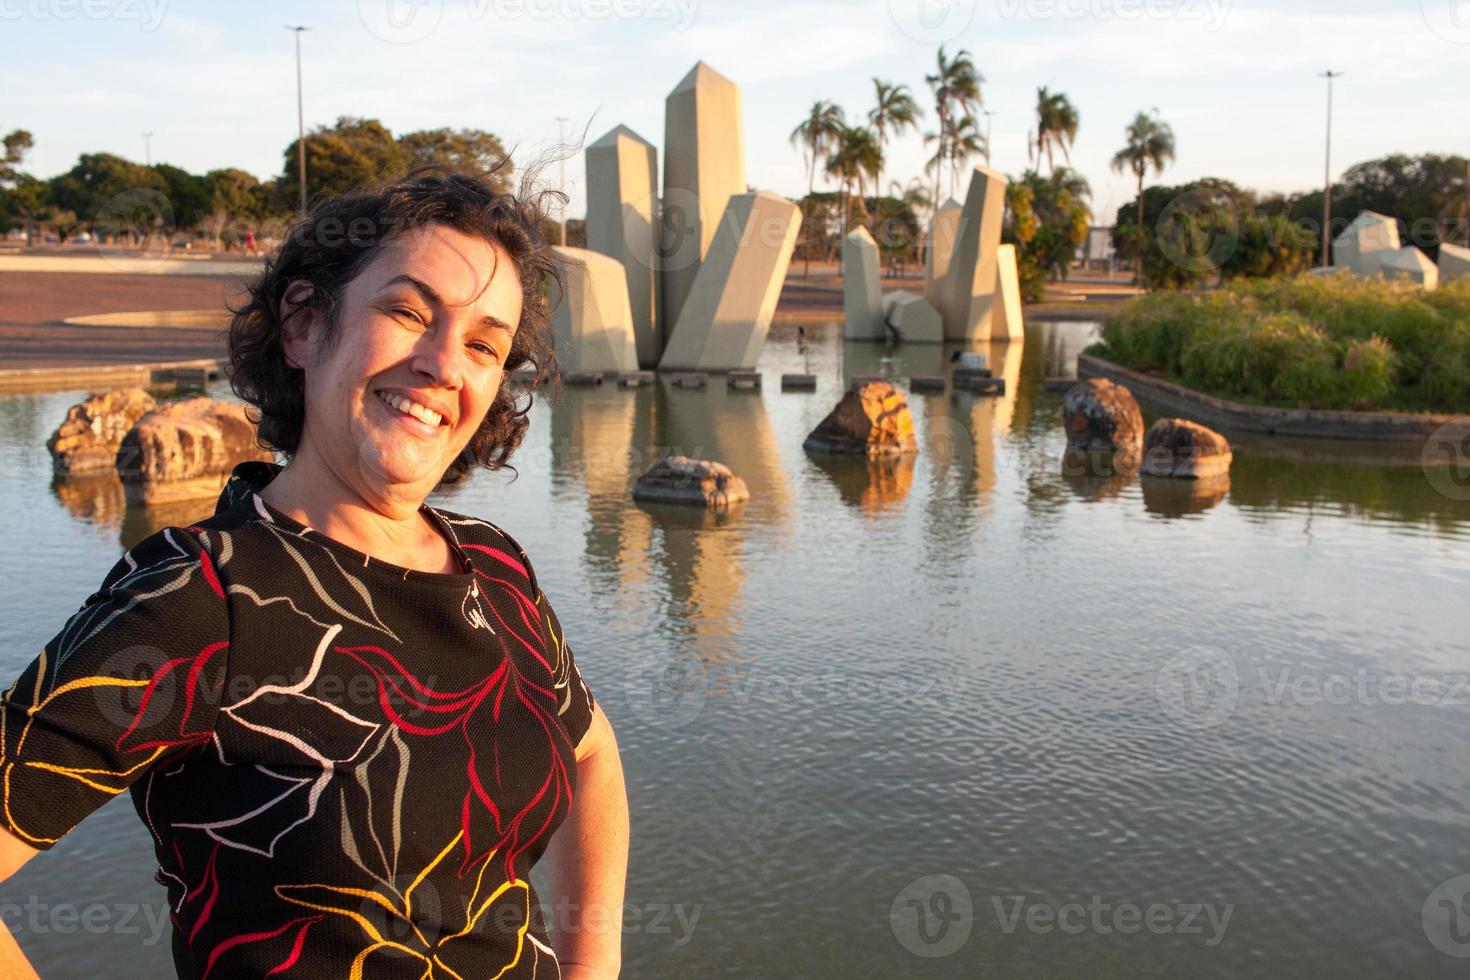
[{"x": 336, "y": 241}]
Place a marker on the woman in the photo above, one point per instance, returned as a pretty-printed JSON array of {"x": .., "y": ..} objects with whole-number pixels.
[{"x": 349, "y": 720}]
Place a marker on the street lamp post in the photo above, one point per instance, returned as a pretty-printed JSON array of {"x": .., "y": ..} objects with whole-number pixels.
[
  {"x": 989, "y": 114},
  {"x": 1327, "y": 181},
  {"x": 147, "y": 149},
  {"x": 300, "y": 122},
  {"x": 561, "y": 125}
]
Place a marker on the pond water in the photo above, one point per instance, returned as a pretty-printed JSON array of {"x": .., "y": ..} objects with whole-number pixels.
[{"x": 965, "y": 717}]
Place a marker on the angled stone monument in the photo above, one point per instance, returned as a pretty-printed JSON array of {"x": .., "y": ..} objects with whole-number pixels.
[
  {"x": 966, "y": 293},
  {"x": 593, "y": 324},
  {"x": 1454, "y": 262},
  {"x": 724, "y": 320},
  {"x": 944, "y": 228},
  {"x": 862, "y": 295},
  {"x": 1409, "y": 265},
  {"x": 913, "y": 318},
  {"x": 622, "y": 199},
  {"x": 1009, "y": 322},
  {"x": 704, "y": 166},
  {"x": 1361, "y": 245}
]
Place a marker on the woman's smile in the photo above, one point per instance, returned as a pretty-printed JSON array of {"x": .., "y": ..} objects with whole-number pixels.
[{"x": 415, "y": 425}]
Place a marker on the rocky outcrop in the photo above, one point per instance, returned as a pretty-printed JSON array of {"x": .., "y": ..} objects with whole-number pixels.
[
  {"x": 185, "y": 450},
  {"x": 681, "y": 480},
  {"x": 1185, "y": 449},
  {"x": 86, "y": 442},
  {"x": 1102, "y": 417},
  {"x": 873, "y": 418}
]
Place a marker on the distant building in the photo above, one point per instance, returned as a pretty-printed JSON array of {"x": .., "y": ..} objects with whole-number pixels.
[{"x": 1096, "y": 251}]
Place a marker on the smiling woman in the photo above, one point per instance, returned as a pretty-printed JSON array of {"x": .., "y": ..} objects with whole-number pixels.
[{"x": 378, "y": 811}]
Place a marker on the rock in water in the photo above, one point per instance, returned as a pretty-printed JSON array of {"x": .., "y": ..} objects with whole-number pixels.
[
  {"x": 872, "y": 418},
  {"x": 681, "y": 480},
  {"x": 185, "y": 451},
  {"x": 1181, "y": 448},
  {"x": 1102, "y": 417},
  {"x": 86, "y": 442}
]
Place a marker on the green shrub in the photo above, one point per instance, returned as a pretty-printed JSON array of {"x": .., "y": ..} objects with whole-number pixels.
[{"x": 1310, "y": 342}]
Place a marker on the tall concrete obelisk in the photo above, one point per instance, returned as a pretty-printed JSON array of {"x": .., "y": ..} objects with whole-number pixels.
[
  {"x": 622, "y": 222},
  {"x": 704, "y": 166}
]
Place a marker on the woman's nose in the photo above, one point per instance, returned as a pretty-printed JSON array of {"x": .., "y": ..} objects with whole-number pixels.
[{"x": 440, "y": 356}]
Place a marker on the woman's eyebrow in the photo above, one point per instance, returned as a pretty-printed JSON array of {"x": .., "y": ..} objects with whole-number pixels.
[{"x": 432, "y": 295}]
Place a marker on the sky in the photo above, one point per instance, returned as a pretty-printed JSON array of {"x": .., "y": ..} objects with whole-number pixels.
[{"x": 215, "y": 82}]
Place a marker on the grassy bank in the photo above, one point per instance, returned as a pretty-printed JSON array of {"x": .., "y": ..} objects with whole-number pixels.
[{"x": 1330, "y": 342}]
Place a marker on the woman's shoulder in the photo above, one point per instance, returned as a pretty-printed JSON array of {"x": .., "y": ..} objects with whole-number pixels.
[{"x": 476, "y": 534}]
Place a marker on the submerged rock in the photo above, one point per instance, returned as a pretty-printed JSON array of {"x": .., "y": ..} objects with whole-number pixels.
[
  {"x": 1185, "y": 449},
  {"x": 185, "y": 450},
  {"x": 873, "y": 418},
  {"x": 681, "y": 480},
  {"x": 86, "y": 442}
]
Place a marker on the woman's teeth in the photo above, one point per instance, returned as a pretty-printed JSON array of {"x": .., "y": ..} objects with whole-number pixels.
[{"x": 425, "y": 415}]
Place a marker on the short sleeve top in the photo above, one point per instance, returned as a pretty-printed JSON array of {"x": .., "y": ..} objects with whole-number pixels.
[{"x": 346, "y": 766}]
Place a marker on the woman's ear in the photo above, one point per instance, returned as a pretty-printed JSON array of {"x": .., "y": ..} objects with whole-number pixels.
[{"x": 296, "y": 323}]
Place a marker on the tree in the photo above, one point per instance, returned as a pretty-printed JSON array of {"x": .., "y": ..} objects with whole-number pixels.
[
  {"x": 16, "y": 144},
  {"x": 857, "y": 156},
  {"x": 351, "y": 153},
  {"x": 894, "y": 112},
  {"x": 472, "y": 151},
  {"x": 1056, "y": 127},
  {"x": 1150, "y": 144},
  {"x": 188, "y": 195},
  {"x": 1047, "y": 219},
  {"x": 817, "y": 135},
  {"x": 116, "y": 196},
  {"x": 956, "y": 88}
]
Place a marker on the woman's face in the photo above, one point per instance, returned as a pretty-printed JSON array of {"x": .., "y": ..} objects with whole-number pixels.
[{"x": 428, "y": 321}]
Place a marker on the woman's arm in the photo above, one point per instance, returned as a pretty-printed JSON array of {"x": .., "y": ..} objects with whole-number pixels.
[
  {"x": 588, "y": 860},
  {"x": 14, "y": 852}
]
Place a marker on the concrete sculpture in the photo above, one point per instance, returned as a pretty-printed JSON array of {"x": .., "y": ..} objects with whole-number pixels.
[
  {"x": 593, "y": 324},
  {"x": 622, "y": 222},
  {"x": 704, "y": 166},
  {"x": 1361, "y": 246},
  {"x": 1008, "y": 322},
  {"x": 965, "y": 293},
  {"x": 862, "y": 296},
  {"x": 725, "y": 317},
  {"x": 944, "y": 228},
  {"x": 1409, "y": 265},
  {"x": 1454, "y": 262},
  {"x": 913, "y": 318}
]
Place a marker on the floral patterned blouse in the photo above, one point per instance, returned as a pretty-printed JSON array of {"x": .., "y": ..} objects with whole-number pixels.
[{"x": 348, "y": 767}]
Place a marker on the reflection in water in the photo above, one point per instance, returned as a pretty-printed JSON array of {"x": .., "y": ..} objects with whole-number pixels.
[
  {"x": 1095, "y": 476},
  {"x": 100, "y": 501},
  {"x": 1169, "y": 497},
  {"x": 872, "y": 485}
]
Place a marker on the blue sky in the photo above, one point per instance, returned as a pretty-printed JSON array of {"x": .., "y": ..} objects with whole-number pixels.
[{"x": 215, "y": 82}]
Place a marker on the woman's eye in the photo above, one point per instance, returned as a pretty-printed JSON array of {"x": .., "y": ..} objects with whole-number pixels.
[
  {"x": 487, "y": 349},
  {"x": 404, "y": 311}
]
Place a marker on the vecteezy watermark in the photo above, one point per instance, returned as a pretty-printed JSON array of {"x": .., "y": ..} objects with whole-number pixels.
[
  {"x": 1198, "y": 687},
  {"x": 1102, "y": 917},
  {"x": 932, "y": 21},
  {"x": 93, "y": 918},
  {"x": 1210, "y": 13},
  {"x": 1201, "y": 687},
  {"x": 671, "y": 695},
  {"x": 409, "y": 21},
  {"x": 1446, "y": 460},
  {"x": 1196, "y": 233},
  {"x": 933, "y": 916},
  {"x": 1450, "y": 19},
  {"x": 148, "y": 13},
  {"x": 1446, "y": 917}
]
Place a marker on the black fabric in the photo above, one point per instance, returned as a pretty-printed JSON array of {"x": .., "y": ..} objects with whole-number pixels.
[{"x": 344, "y": 764}]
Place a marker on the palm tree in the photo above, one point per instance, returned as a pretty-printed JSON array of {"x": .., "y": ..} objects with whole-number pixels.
[
  {"x": 895, "y": 112},
  {"x": 817, "y": 135},
  {"x": 857, "y": 156},
  {"x": 965, "y": 141},
  {"x": 1056, "y": 126},
  {"x": 956, "y": 87},
  {"x": 914, "y": 196},
  {"x": 1150, "y": 144}
]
